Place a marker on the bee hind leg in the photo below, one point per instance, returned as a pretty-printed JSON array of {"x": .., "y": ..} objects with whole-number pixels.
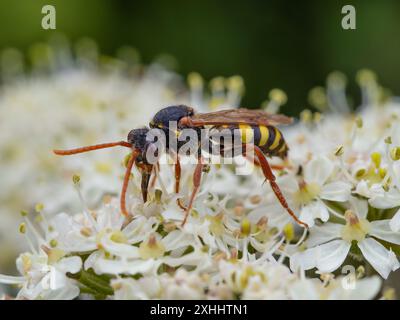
[{"x": 267, "y": 171}]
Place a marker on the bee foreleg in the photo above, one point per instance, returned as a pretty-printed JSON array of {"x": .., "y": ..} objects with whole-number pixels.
[{"x": 129, "y": 166}]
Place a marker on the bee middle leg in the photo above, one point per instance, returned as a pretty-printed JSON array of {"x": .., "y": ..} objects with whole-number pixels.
[
  {"x": 196, "y": 183},
  {"x": 177, "y": 182},
  {"x": 154, "y": 177}
]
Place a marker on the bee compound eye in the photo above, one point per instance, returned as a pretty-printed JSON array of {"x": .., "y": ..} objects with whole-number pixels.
[
  {"x": 151, "y": 153},
  {"x": 131, "y": 136}
]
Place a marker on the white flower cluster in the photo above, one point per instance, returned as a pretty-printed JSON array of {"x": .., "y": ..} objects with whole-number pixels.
[
  {"x": 71, "y": 98},
  {"x": 342, "y": 178},
  {"x": 68, "y": 101}
]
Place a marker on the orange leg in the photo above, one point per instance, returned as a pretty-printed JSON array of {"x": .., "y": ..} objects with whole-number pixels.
[
  {"x": 271, "y": 178},
  {"x": 196, "y": 183},
  {"x": 276, "y": 166},
  {"x": 177, "y": 182},
  {"x": 91, "y": 148},
  {"x": 154, "y": 178},
  {"x": 258, "y": 164},
  {"x": 129, "y": 166}
]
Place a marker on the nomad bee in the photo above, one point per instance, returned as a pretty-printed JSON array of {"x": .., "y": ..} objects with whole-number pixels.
[{"x": 256, "y": 129}]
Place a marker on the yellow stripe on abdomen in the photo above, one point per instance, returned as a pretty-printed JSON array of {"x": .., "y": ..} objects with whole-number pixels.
[
  {"x": 246, "y": 133},
  {"x": 284, "y": 146},
  {"x": 277, "y": 139},
  {"x": 264, "y": 135}
]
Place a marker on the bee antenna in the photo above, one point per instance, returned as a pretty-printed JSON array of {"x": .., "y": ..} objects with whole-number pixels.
[{"x": 93, "y": 147}]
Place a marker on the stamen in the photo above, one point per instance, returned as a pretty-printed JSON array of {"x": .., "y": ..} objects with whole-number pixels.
[
  {"x": 76, "y": 179},
  {"x": 317, "y": 98},
  {"x": 335, "y": 213},
  {"x": 235, "y": 86},
  {"x": 336, "y": 92},
  {"x": 376, "y": 158},
  {"x": 87, "y": 52},
  {"x": 355, "y": 228},
  {"x": 245, "y": 227},
  {"x": 351, "y": 218},
  {"x": 301, "y": 239},
  {"x": 395, "y": 153},
  {"x": 391, "y": 171},
  {"x": 22, "y": 229},
  {"x": 277, "y": 99},
  {"x": 288, "y": 231},
  {"x": 339, "y": 151},
  {"x": 151, "y": 249},
  {"x": 217, "y": 86},
  {"x": 35, "y": 232},
  {"x": 369, "y": 88}
]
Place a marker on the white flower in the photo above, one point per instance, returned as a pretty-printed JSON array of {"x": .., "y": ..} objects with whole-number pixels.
[
  {"x": 237, "y": 239},
  {"x": 257, "y": 279},
  {"x": 330, "y": 243},
  {"x": 307, "y": 194},
  {"x": 386, "y": 200},
  {"x": 183, "y": 285},
  {"x": 145, "y": 288},
  {"x": 44, "y": 275},
  {"x": 336, "y": 289}
]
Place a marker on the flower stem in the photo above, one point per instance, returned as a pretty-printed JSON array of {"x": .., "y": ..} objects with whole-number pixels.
[{"x": 94, "y": 283}]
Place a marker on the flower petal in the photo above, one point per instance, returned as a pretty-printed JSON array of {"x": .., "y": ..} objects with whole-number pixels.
[
  {"x": 381, "y": 259},
  {"x": 362, "y": 189},
  {"x": 331, "y": 255},
  {"x": 116, "y": 267},
  {"x": 11, "y": 279},
  {"x": 119, "y": 249},
  {"x": 322, "y": 234},
  {"x": 288, "y": 184},
  {"x": 336, "y": 191},
  {"x": 318, "y": 170},
  {"x": 365, "y": 289},
  {"x": 395, "y": 222},
  {"x": 359, "y": 206},
  {"x": 304, "y": 290},
  {"x": 326, "y": 257},
  {"x": 350, "y": 288},
  {"x": 381, "y": 229},
  {"x": 304, "y": 260},
  {"x": 307, "y": 216},
  {"x": 385, "y": 200},
  {"x": 314, "y": 210},
  {"x": 69, "y": 264},
  {"x": 177, "y": 239}
]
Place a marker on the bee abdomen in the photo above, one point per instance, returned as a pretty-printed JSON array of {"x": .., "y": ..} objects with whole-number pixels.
[{"x": 270, "y": 140}]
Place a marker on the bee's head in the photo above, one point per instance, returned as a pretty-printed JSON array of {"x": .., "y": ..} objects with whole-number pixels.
[
  {"x": 137, "y": 137},
  {"x": 142, "y": 140},
  {"x": 172, "y": 113},
  {"x": 141, "y": 143}
]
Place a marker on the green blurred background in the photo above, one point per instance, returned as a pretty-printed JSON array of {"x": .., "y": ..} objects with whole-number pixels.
[{"x": 292, "y": 45}]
